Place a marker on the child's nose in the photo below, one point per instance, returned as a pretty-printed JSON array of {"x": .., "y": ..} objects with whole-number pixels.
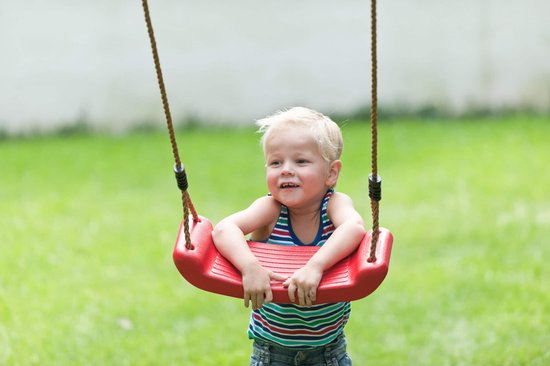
[{"x": 287, "y": 168}]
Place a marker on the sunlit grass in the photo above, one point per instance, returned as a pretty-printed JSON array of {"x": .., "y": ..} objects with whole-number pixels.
[{"x": 87, "y": 226}]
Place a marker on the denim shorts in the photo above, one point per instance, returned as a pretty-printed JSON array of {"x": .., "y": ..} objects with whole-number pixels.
[{"x": 333, "y": 354}]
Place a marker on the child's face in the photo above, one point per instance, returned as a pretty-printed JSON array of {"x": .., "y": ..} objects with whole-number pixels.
[{"x": 296, "y": 173}]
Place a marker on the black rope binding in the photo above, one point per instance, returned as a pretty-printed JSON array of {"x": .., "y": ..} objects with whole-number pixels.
[
  {"x": 375, "y": 187},
  {"x": 181, "y": 177}
]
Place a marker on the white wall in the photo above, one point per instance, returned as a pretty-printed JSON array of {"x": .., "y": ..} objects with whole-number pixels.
[{"x": 237, "y": 60}]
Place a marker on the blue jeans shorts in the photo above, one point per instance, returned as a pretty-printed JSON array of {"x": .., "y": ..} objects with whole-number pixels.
[{"x": 333, "y": 354}]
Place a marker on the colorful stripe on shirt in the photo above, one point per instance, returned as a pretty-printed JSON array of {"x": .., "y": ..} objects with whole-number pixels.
[{"x": 292, "y": 325}]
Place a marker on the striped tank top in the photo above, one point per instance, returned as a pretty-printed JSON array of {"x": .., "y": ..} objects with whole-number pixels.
[{"x": 291, "y": 325}]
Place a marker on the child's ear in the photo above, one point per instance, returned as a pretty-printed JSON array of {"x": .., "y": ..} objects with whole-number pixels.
[{"x": 334, "y": 173}]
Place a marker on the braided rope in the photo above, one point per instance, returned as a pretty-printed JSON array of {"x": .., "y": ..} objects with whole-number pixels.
[
  {"x": 374, "y": 131},
  {"x": 162, "y": 87},
  {"x": 180, "y": 172},
  {"x": 186, "y": 199}
]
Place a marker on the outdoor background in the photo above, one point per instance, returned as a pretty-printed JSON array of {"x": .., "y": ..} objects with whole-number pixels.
[
  {"x": 89, "y": 209},
  {"x": 234, "y": 61}
]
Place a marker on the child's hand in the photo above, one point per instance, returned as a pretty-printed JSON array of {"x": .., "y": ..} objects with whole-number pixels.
[
  {"x": 304, "y": 282},
  {"x": 257, "y": 285}
]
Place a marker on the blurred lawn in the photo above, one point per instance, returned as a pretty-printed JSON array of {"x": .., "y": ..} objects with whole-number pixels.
[{"x": 87, "y": 225}]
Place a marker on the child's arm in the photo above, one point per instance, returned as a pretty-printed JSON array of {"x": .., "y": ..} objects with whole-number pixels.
[
  {"x": 344, "y": 240},
  {"x": 229, "y": 238}
]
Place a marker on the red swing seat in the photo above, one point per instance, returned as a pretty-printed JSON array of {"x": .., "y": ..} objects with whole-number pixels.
[{"x": 350, "y": 279}]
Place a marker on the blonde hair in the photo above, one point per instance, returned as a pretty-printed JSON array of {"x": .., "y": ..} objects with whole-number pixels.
[{"x": 324, "y": 131}]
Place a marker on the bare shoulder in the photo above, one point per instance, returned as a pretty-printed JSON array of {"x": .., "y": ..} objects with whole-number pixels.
[
  {"x": 340, "y": 209},
  {"x": 259, "y": 214},
  {"x": 269, "y": 209},
  {"x": 339, "y": 199},
  {"x": 267, "y": 203}
]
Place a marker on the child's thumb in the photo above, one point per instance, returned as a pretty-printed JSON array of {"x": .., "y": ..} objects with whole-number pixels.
[{"x": 277, "y": 276}]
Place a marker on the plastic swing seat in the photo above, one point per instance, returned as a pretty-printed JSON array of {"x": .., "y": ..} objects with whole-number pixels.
[{"x": 350, "y": 279}]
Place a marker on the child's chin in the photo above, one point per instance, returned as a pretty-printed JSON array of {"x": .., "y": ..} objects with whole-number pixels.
[{"x": 290, "y": 200}]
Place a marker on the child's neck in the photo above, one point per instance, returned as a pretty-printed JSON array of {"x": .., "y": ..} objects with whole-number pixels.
[{"x": 305, "y": 224}]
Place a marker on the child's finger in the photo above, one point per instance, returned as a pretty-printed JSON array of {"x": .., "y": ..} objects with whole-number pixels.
[
  {"x": 301, "y": 296},
  {"x": 268, "y": 296},
  {"x": 255, "y": 302},
  {"x": 313, "y": 294},
  {"x": 291, "y": 291},
  {"x": 307, "y": 295},
  {"x": 277, "y": 276},
  {"x": 308, "y": 301}
]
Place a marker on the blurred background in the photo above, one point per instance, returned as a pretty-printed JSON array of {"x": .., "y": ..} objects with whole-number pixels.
[
  {"x": 229, "y": 62},
  {"x": 88, "y": 220}
]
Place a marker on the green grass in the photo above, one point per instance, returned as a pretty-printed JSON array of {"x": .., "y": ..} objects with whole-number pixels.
[{"x": 87, "y": 225}]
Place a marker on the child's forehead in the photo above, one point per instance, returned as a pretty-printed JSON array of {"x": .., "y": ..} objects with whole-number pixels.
[
  {"x": 289, "y": 130},
  {"x": 287, "y": 140},
  {"x": 289, "y": 135}
]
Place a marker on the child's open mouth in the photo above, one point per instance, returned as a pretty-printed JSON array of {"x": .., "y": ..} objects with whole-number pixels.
[{"x": 289, "y": 185}]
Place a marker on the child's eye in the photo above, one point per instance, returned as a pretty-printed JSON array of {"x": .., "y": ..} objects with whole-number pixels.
[
  {"x": 301, "y": 161},
  {"x": 274, "y": 163}
]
